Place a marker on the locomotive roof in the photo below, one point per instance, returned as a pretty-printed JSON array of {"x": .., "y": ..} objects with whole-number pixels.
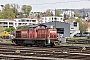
[{"x": 37, "y": 25}]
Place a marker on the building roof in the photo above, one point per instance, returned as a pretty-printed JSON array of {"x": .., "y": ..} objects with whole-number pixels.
[
  {"x": 56, "y": 24},
  {"x": 88, "y": 23},
  {"x": 51, "y": 24},
  {"x": 35, "y": 17},
  {"x": 70, "y": 20},
  {"x": 37, "y": 25}
]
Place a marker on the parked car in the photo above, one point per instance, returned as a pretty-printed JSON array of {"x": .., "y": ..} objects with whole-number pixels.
[
  {"x": 77, "y": 35},
  {"x": 81, "y": 35}
]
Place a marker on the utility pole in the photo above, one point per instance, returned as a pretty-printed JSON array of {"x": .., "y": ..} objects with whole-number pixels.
[
  {"x": 38, "y": 18},
  {"x": 55, "y": 18},
  {"x": 45, "y": 17}
]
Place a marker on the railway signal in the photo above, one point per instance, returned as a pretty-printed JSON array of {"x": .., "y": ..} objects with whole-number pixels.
[
  {"x": 17, "y": 51},
  {"x": 84, "y": 48},
  {"x": 76, "y": 40}
]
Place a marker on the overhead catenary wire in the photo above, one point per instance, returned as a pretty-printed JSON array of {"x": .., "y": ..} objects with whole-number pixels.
[
  {"x": 59, "y": 2},
  {"x": 70, "y": 1}
]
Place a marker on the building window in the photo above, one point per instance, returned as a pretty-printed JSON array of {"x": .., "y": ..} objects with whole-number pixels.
[
  {"x": 61, "y": 18},
  {"x": 30, "y": 20},
  {"x": 22, "y": 20},
  {"x": 19, "y": 23},
  {"x": 45, "y": 18},
  {"x": 75, "y": 23},
  {"x": 72, "y": 28},
  {"x": 58, "y": 18},
  {"x": 60, "y": 30},
  {"x": 55, "y": 18},
  {"x": 10, "y": 23},
  {"x": 27, "y": 20},
  {"x": 42, "y": 18},
  {"x": 5, "y": 22},
  {"x": 33, "y": 20},
  {"x": 49, "y": 18},
  {"x": 52, "y": 18},
  {"x": 19, "y": 20}
]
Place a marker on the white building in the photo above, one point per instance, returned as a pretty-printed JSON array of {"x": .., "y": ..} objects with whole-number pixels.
[
  {"x": 25, "y": 21},
  {"x": 70, "y": 13},
  {"x": 17, "y": 22},
  {"x": 51, "y": 19},
  {"x": 74, "y": 27},
  {"x": 7, "y": 23}
]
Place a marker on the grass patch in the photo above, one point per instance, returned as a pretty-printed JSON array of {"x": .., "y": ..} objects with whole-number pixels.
[
  {"x": 77, "y": 38},
  {"x": 63, "y": 44},
  {"x": 6, "y": 41}
]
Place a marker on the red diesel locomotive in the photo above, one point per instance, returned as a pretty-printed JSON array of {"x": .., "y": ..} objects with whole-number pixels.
[{"x": 36, "y": 35}]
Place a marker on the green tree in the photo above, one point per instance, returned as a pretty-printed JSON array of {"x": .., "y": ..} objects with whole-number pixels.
[
  {"x": 66, "y": 16},
  {"x": 7, "y": 7},
  {"x": 1, "y": 29},
  {"x": 15, "y": 8},
  {"x": 48, "y": 13},
  {"x": 88, "y": 20},
  {"x": 82, "y": 25},
  {"x": 71, "y": 17},
  {"x": 10, "y": 29},
  {"x": 26, "y": 9},
  {"x": 51, "y": 14},
  {"x": 77, "y": 15},
  {"x": 85, "y": 26},
  {"x": 19, "y": 27},
  {"x": 57, "y": 13},
  {"x": 7, "y": 12}
]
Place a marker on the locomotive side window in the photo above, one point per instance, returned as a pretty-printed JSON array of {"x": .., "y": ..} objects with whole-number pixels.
[{"x": 36, "y": 30}]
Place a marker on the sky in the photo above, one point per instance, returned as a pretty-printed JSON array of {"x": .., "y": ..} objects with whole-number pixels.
[{"x": 43, "y": 5}]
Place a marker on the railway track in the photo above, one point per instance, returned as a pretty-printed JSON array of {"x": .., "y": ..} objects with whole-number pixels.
[
  {"x": 78, "y": 41},
  {"x": 37, "y": 53},
  {"x": 73, "y": 52}
]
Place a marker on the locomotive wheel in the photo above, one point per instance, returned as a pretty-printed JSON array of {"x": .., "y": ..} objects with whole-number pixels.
[{"x": 52, "y": 44}]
